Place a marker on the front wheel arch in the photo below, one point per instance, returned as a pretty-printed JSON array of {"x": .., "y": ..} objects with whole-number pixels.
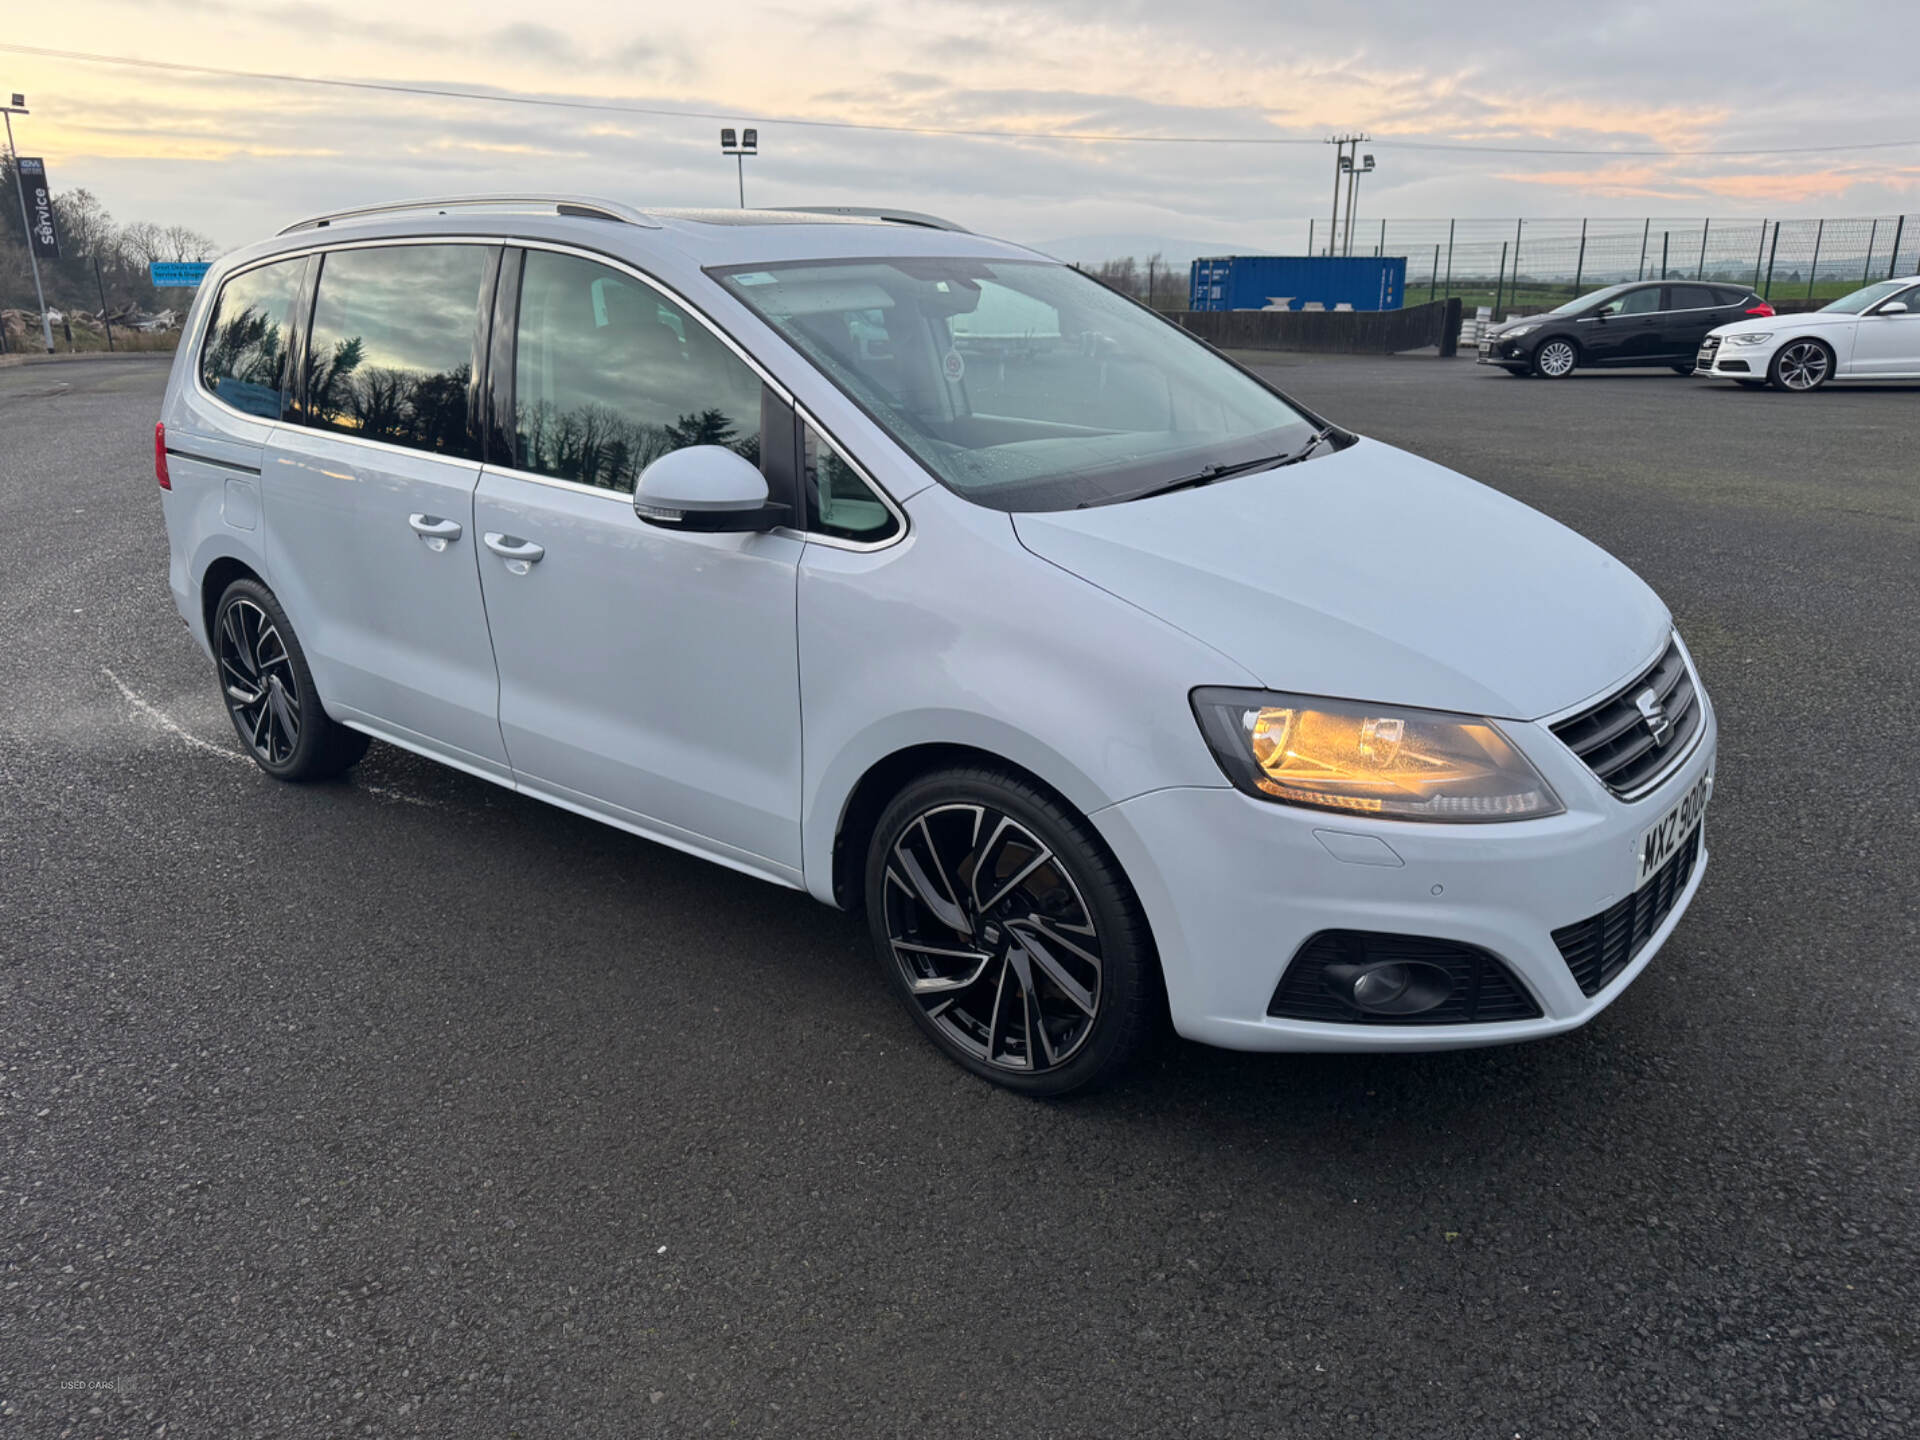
[{"x": 886, "y": 778}]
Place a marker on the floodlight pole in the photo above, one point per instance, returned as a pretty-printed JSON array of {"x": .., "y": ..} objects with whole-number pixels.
[
  {"x": 740, "y": 145},
  {"x": 26, "y": 224},
  {"x": 1343, "y": 165}
]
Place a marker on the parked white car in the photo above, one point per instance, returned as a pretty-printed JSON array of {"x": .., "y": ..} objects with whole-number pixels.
[
  {"x": 1872, "y": 334},
  {"x": 1109, "y": 680}
]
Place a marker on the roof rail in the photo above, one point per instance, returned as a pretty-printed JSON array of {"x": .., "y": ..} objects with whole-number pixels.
[
  {"x": 875, "y": 212},
  {"x": 581, "y": 205}
]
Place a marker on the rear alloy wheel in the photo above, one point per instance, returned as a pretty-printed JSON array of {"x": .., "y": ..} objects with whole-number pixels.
[
  {"x": 1555, "y": 359},
  {"x": 1009, "y": 932},
  {"x": 270, "y": 693},
  {"x": 1804, "y": 365}
]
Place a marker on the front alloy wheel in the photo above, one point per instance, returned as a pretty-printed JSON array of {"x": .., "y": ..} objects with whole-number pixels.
[
  {"x": 1555, "y": 359},
  {"x": 1803, "y": 365},
  {"x": 1008, "y": 931}
]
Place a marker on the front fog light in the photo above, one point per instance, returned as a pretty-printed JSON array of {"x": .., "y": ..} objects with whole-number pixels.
[
  {"x": 1391, "y": 988},
  {"x": 1370, "y": 759}
]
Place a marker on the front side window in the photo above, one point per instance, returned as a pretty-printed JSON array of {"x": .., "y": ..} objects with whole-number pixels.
[
  {"x": 839, "y": 502},
  {"x": 609, "y": 375},
  {"x": 1020, "y": 385},
  {"x": 1861, "y": 301},
  {"x": 391, "y": 352},
  {"x": 1634, "y": 302},
  {"x": 244, "y": 360}
]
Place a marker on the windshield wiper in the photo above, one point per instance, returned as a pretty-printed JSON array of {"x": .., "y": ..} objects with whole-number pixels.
[{"x": 1207, "y": 474}]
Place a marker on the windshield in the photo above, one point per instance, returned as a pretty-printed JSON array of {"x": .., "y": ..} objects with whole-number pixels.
[
  {"x": 1861, "y": 300},
  {"x": 1021, "y": 385},
  {"x": 1592, "y": 297}
]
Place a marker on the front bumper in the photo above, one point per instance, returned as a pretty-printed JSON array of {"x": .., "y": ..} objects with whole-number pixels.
[
  {"x": 1234, "y": 886},
  {"x": 1509, "y": 354},
  {"x": 1722, "y": 361}
]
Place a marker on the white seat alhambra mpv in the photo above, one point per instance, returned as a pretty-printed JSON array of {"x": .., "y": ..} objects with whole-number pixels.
[{"x": 913, "y": 569}]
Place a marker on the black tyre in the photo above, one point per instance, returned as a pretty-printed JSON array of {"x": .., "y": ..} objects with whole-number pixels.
[
  {"x": 1683, "y": 369},
  {"x": 270, "y": 693},
  {"x": 1751, "y": 384},
  {"x": 1010, "y": 933},
  {"x": 1556, "y": 357},
  {"x": 1800, "y": 366}
]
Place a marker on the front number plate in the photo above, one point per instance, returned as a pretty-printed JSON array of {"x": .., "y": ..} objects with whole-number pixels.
[{"x": 1663, "y": 841}]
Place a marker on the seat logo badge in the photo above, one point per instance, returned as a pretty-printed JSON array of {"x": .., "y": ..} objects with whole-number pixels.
[{"x": 1655, "y": 714}]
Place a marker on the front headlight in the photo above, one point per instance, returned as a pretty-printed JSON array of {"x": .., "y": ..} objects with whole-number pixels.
[
  {"x": 1752, "y": 338},
  {"x": 1517, "y": 331},
  {"x": 1370, "y": 759}
]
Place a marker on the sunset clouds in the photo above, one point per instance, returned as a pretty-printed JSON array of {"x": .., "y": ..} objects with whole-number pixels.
[{"x": 1609, "y": 78}]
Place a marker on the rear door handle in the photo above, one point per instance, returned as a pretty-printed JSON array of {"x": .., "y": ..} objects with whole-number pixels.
[
  {"x": 434, "y": 531},
  {"x": 520, "y": 555}
]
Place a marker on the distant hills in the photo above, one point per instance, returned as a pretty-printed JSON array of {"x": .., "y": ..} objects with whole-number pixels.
[{"x": 1178, "y": 253}]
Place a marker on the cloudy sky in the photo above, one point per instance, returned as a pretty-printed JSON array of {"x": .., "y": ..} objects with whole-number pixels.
[{"x": 236, "y": 157}]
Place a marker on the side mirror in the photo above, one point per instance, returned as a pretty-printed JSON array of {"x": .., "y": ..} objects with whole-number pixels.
[
  {"x": 708, "y": 488},
  {"x": 1892, "y": 307}
]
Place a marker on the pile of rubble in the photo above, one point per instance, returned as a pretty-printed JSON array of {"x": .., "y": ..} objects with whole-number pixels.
[{"x": 22, "y": 327}]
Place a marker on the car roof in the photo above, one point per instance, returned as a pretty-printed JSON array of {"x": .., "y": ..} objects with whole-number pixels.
[{"x": 681, "y": 237}]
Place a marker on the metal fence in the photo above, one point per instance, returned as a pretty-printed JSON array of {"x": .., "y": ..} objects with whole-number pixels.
[{"x": 1527, "y": 262}]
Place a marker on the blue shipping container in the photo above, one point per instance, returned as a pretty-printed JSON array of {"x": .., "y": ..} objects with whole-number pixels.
[{"x": 1294, "y": 282}]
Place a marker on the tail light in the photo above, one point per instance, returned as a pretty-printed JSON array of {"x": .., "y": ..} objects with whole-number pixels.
[
  {"x": 1760, "y": 307},
  {"x": 160, "y": 455}
]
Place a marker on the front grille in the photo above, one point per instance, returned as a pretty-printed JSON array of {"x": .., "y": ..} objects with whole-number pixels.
[
  {"x": 1617, "y": 740},
  {"x": 1709, "y": 347},
  {"x": 1484, "y": 990},
  {"x": 1601, "y": 946}
]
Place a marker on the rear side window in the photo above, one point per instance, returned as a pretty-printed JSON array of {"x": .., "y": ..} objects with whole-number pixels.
[
  {"x": 839, "y": 502},
  {"x": 244, "y": 360},
  {"x": 609, "y": 375},
  {"x": 1693, "y": 297},
  {"x": 391, "y": 351}
]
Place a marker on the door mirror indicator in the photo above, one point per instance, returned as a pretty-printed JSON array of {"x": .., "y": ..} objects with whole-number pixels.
[{"x": 708, "y": 488}]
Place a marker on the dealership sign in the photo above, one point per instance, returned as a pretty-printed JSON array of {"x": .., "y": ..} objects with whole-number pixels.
[
  {"x": 42, "y": 233},
  {"x": 178, "y": 274}
]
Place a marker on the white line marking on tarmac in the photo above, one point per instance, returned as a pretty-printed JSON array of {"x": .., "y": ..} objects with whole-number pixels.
[
  {"x": 173, "y": 727},
  {"x": 167, "y": 723}
]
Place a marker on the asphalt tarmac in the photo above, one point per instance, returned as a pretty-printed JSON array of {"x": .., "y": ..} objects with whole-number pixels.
[{"x": 403, "y": 1105}]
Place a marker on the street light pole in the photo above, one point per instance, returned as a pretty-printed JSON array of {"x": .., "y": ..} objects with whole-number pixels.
[{"x": 19, "y": 107}]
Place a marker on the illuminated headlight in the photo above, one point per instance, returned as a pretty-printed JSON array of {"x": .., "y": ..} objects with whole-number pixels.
[
  {"x": 1517, "y": 331},
  {"x": 1370, "y": 759},
  {"x": 1755, "y": 338}
]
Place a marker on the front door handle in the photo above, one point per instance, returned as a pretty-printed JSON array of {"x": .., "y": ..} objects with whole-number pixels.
[
  {"x": 520, "y": 555},
  {"x": 434, "y": 531}
]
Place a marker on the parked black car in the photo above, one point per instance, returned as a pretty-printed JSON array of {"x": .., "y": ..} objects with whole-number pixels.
[{"x": 1652, "y": 323}]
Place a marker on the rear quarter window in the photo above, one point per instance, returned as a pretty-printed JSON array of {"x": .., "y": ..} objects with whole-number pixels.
[{"x": 244, "y": 359}]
